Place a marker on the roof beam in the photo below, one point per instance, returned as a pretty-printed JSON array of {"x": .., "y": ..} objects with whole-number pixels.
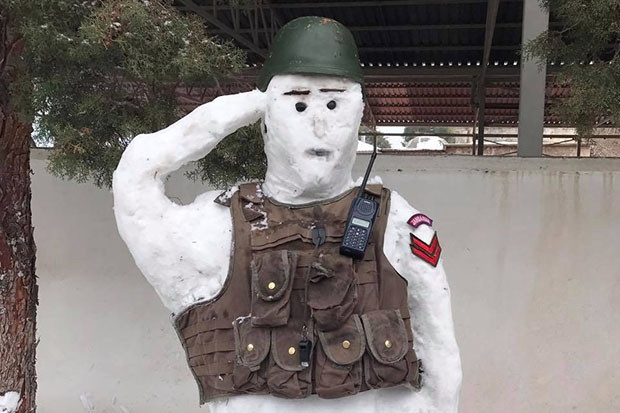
[
  {"x": 211, "y": 19},
  {"x": 445, "y": 116},
  {"x": 447, "y": 122},
  {"x": 464, "y": 74},
  {"x": 434, "y": 48},
  {"x": 440, "y": 112},
  {"x": 408, "y": 27},
  {"x": 274, "y": 18},
  {"x": 492, "y": 7},
  {"x": 341, "y": 4},
  {"x": 439, "y": 48},
  {"x": 440, "y": 106},
  {"x": 404, "y": 27},
  {"x": 429, "y": 74},
  {"x": 456, "y": 119}
]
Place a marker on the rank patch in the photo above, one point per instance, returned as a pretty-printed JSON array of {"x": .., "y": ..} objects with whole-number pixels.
[
  {"x": 428, "y": 252},
  {"x": 419, "y": 219}
]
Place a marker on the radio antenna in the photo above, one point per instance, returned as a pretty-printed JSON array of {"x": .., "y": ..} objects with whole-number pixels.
[{"x": 372, "y": 161}]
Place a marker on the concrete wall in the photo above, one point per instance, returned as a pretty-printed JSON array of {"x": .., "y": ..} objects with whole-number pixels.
[
  {"x": 531, "y": 248},
  {"x": 568, "y": 149}
]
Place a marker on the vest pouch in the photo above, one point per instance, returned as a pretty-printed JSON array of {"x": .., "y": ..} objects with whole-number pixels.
[
  {"x": 414, "y": 377},
  {"x": 332, "y": 290},
  {"x": 209, "y": 345},
  {"x": 385, "y": 363},
  {"x": 338, "y": 368},
  {"x": 286, "y": 377},
  {"x": 251, "y": 349},
  {"x": 272, "y": 274}
]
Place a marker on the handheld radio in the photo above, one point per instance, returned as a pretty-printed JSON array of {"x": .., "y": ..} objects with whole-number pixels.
[{"x": 361, "y": 217}]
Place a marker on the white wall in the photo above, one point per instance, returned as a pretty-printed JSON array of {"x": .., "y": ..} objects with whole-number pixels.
[{"x": 531, "y": 247}]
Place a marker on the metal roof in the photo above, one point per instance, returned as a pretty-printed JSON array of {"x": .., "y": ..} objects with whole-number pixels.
[{"x": 423, "y": 59}]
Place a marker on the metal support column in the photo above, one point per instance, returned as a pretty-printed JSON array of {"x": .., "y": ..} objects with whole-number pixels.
[
  {"x": 473, "y": 133},
  {"x": 481, "y": 108},
  {"x": 532, "y": 88},
  {"x": 492, "y": 7}
]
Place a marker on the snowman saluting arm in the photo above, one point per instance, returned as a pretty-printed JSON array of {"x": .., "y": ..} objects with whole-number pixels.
[
  {"x": 183, "y": 250},
  {"x": 271, "y": 315}
]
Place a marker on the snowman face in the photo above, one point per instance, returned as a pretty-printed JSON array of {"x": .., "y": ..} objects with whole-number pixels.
[{"x": 310, "y": 130}]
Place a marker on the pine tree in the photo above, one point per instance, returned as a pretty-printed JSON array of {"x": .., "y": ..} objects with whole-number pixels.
[
  {"x": 90, "y": 75},
  {"x": 586, "y": 47}
]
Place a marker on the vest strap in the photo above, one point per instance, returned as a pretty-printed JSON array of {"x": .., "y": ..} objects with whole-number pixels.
[{"x": 214, "y": 369}]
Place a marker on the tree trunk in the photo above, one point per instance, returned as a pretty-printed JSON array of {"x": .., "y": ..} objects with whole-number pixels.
[{"x": 18, "y": 286}]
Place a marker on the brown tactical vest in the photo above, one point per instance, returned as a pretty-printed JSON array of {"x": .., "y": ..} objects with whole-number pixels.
[{"x": 247, "y": 339}]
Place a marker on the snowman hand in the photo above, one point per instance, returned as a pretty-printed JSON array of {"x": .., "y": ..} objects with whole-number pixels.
[
  {"x": 192, "y": 137},
  {"x": 226, "y": 114}
]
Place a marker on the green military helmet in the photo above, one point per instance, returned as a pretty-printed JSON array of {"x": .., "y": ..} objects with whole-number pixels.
[{"x": 312, "y": 45}]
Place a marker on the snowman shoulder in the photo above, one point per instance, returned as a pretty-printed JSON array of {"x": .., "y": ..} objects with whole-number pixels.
[
  {"x": 411, "y": 243},
  {"x": 183, "y": 251}
]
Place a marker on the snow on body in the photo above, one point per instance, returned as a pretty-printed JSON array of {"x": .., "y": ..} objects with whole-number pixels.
[
  {"x": 185, "y": 251},
  {"x": 10, "y": 402}
]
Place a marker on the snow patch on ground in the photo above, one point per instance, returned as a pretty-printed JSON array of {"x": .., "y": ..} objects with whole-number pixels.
[
  {"x": 396, "y": 142},
  {"x": 364, "y": 147},
  {"x": 429, "y": 143},
  {"x": 9, "y": 402},
  {"x": 87, "y": 403}
]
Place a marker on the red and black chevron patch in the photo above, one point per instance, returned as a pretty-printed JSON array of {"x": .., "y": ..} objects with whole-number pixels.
[{"x": 428, "y": 252}]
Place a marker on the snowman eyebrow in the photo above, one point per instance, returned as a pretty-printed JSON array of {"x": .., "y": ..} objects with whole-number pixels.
[
  {"x": 332, "y": 90},
  {"x": 298, "y": 92}
]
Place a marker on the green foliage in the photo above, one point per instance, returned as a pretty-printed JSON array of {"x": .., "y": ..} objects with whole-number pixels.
[
  {"x": 239, "y": 157},
  {"x": 103, "y": 71},
  {"x": 383, "y": 143},
  {"x": 588, "y": 46}
]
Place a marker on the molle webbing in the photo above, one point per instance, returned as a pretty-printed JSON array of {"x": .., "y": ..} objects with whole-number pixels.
[{"x": 247, "y": 339}]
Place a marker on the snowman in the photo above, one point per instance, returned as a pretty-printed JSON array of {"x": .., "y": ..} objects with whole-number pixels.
[{"x": 282, "y": 298}]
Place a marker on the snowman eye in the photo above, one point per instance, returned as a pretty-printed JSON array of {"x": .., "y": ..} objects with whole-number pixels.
[
  {"x": 331, "y": 105},
  {"x": 300, "y": 106}
]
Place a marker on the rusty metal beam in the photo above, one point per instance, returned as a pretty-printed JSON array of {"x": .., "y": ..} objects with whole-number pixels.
[
  {"x": 441, "y": 111},
  {"x": 211, "y": 19},
  {"x": 502, "y": 106}
]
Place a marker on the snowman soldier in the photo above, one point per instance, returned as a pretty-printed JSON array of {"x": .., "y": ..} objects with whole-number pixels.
[{"x": 263, "y": 302}]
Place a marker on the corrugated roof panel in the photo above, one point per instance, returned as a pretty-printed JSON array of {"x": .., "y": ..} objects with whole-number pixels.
[{"x": 425, "y": 36}]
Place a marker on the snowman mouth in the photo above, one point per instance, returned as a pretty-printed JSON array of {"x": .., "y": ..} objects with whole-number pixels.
[{"x": 318, "y": 152}]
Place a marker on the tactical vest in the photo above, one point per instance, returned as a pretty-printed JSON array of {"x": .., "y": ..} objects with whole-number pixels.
[{"x": 285, "y": 288}]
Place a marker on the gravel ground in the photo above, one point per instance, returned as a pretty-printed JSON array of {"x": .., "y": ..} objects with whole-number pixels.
[{"x": 605, "y": 148}]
